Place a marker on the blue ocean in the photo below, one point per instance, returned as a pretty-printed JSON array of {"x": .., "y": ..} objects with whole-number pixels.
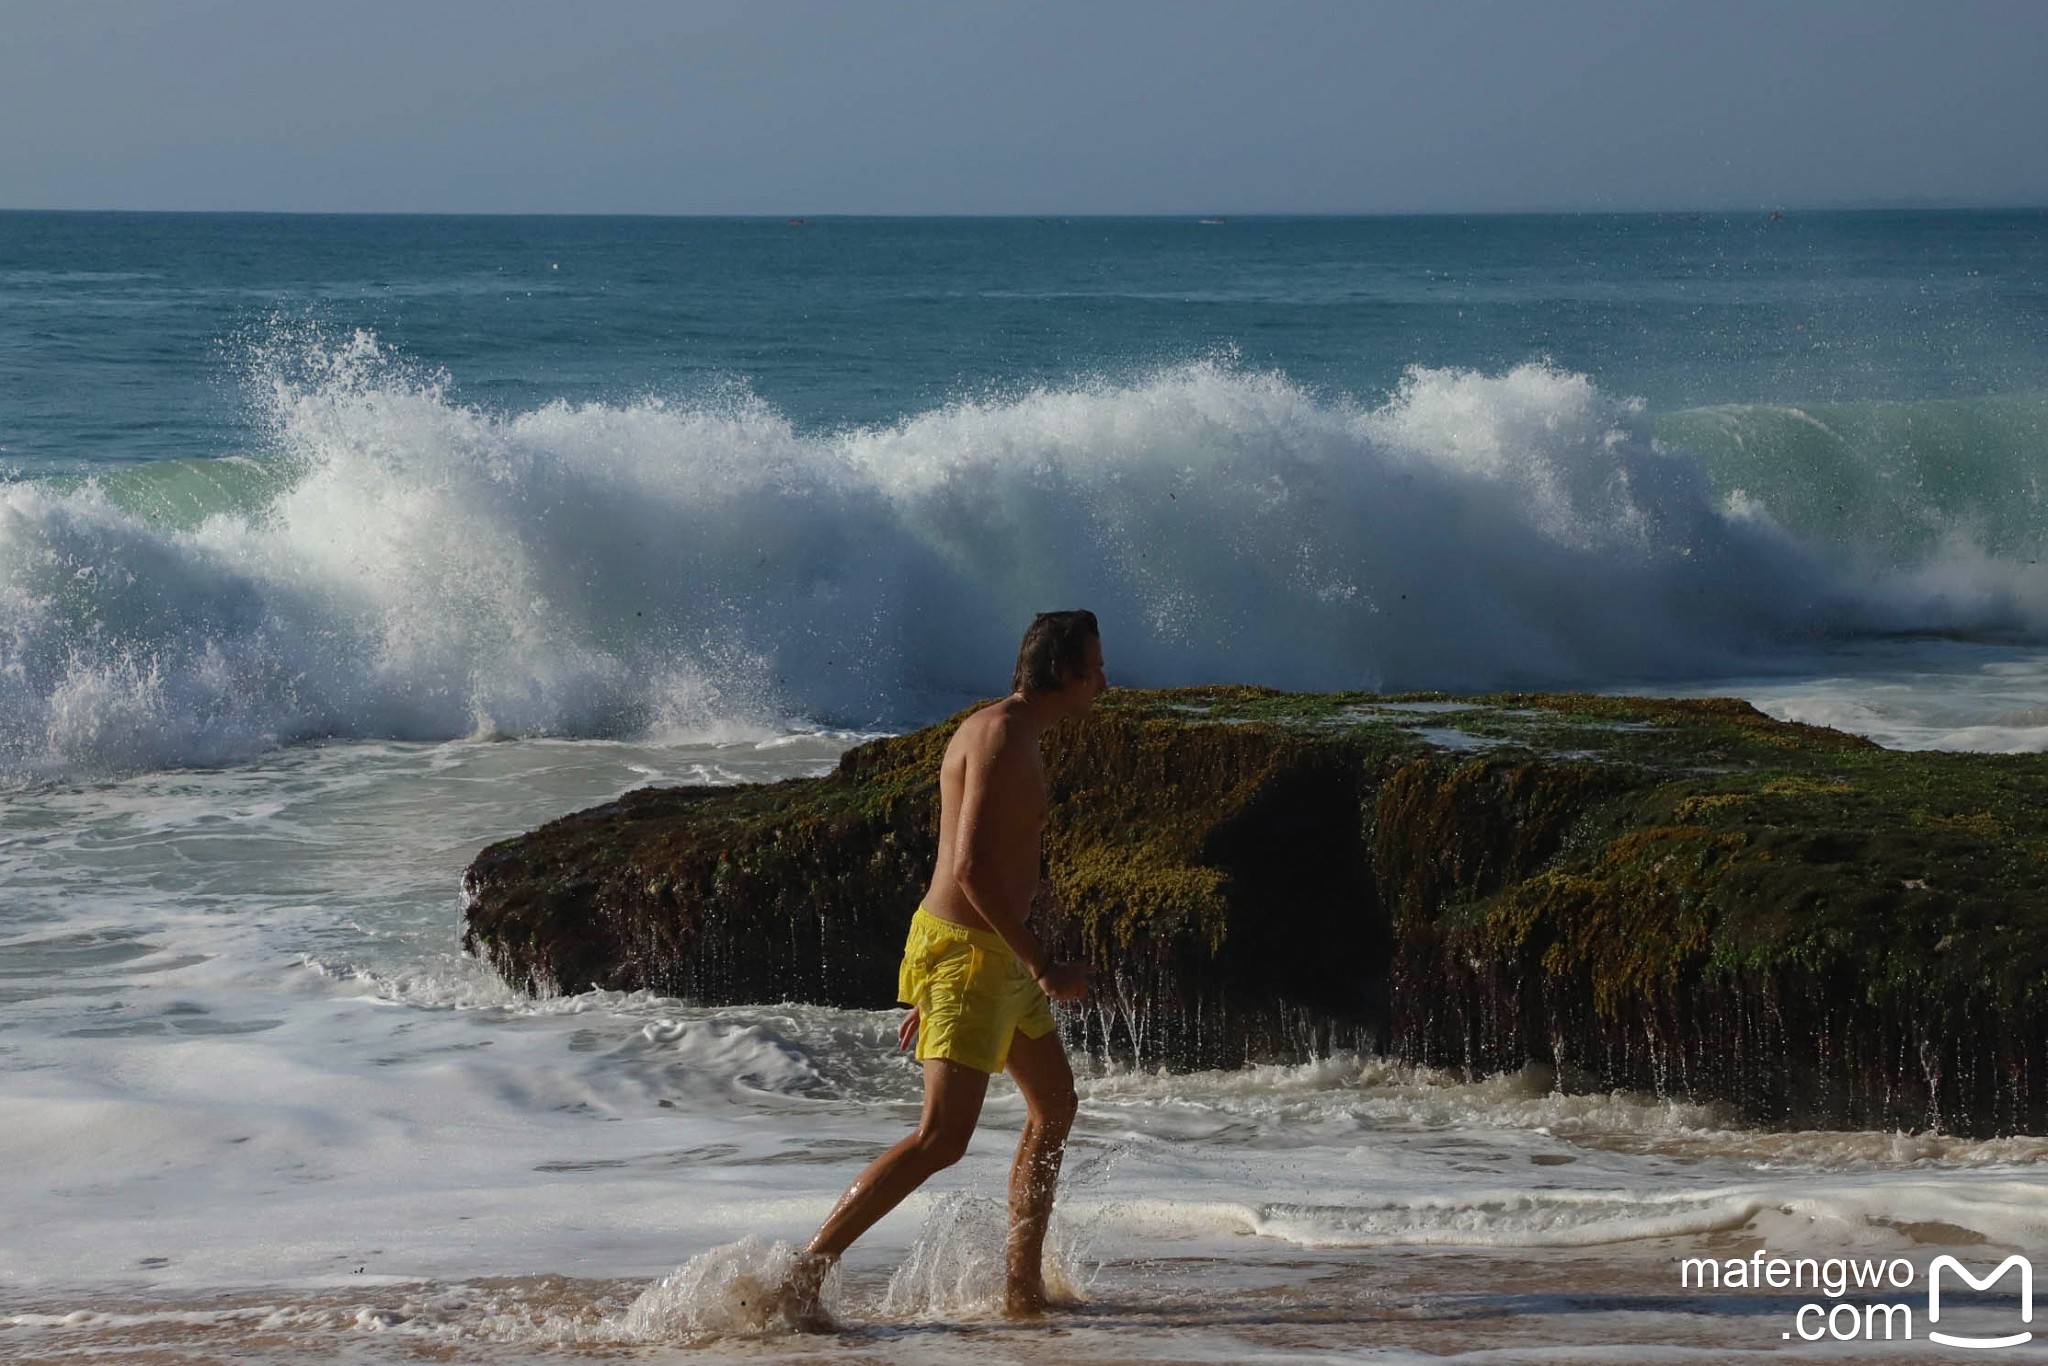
[{"x": 335, "y": 548}]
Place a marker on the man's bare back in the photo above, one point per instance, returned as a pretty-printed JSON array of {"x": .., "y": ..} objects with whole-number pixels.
[{"x": 996, "y": 750}]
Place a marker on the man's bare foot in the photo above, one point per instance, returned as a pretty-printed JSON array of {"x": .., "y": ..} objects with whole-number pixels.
[
  {"x": 1024, "y": 1301},
  {"x": 802, "y": 1300}
]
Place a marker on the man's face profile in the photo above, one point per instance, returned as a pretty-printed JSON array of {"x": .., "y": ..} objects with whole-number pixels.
[{"x": 1089, "y": 680}]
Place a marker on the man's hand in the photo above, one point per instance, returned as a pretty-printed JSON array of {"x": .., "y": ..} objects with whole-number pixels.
[
  {"x": 1067, "y": 981},
  {"x": 907, "y": 1031}
]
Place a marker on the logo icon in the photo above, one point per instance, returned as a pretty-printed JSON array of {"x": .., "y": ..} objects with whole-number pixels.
[{"x": 2026, "y": 1299}]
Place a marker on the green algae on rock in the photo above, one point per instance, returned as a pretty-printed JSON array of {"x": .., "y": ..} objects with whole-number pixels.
[{"x": 1674, "y": 895}]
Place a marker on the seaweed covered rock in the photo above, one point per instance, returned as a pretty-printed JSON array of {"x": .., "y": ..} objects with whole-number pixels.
[
  {"x": 1678, "y": 895},
  {"x": 1166, "y": 864}
]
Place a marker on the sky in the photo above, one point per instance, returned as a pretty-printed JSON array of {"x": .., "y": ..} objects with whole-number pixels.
[{"x": 999, "y": 106}]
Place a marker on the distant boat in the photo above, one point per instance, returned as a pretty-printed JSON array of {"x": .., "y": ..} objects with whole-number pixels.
[
  {"x": 799, "y": 222},
  {"x": 1215, "y": 220}
]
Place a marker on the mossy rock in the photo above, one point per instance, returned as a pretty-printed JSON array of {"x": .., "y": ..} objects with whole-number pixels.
[{"x": 1678, "y": 895}]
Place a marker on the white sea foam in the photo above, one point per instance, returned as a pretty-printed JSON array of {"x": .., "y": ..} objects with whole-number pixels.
[{"x": 417, "y": 569}]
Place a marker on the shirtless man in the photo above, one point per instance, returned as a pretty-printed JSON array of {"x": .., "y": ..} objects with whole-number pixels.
[{"x": 975, "y": 976}]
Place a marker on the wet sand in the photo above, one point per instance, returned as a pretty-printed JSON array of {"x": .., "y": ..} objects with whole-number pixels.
[{"x": 1386, "y": 1305}]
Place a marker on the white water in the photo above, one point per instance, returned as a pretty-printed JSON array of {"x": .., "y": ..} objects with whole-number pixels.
[
  {"x": 241, "y": 1056},
  {"x": 1915, "y": 694},
  {"x": 403, "y": 567}
]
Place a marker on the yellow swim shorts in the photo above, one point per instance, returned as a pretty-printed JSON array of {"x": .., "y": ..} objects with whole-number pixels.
[{"x": 971, "y": 993}]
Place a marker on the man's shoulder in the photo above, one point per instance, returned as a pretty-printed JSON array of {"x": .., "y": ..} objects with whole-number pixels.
[{"x": 995, "y": 728}]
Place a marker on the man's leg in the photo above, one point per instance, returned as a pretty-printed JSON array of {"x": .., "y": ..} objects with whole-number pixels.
[
  {"x": 952, "y": 1103},
  {"x": 1039, "y": 1067}
]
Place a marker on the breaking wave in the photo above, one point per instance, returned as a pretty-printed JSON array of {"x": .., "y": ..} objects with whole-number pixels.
[{"x": 396, "y": 564}]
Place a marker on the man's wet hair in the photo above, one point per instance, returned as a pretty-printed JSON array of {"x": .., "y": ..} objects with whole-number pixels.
[{"x": 1054, "y": 650}]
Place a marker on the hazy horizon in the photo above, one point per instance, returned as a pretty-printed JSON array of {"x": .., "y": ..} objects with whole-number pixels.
[{"x": 1039, "y": 215}]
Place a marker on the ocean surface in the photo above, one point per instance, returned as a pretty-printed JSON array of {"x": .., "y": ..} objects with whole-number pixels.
[{"x": 333, "y": 549}]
